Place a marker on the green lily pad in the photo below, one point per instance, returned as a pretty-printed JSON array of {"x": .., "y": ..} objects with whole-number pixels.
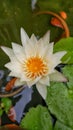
[
  {"x": 65, "y": 44},
  {"x": 37, "y": 119},
  {"x": 60, "y": 104},
  {"x": 68, "y": 72},
  {"x": 61, "y": 126}
]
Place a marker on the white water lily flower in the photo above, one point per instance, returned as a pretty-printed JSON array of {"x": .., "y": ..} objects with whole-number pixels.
[{"x": 34, "y": 62}]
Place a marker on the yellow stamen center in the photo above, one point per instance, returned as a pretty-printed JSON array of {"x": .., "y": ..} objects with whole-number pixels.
[{"x": 35, "y": 67}]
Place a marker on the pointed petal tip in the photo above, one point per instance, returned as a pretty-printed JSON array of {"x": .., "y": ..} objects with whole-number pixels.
[
  {"x": 65, "y": 80},
  {"x": 18, "y": 82},
  {"x": 12, "y": 43},
  {"x": 24, "y": 36},
  {"x": 46, "y": 37},
  {"x": 48, "y": 33},
  {"x": 65, "y": 52},
  {"x": 7, "y": 50},
  {"x": 2, "y": 47},
  {"x": 21, "y": 29},
  {"x": 42, "y": 90},
  {"x": 58, "y": 77}
]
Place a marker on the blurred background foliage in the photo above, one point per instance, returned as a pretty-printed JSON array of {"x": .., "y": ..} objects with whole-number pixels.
[{"x": 18, "y": 13}]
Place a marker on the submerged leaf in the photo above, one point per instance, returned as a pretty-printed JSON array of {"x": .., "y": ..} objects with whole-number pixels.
[{"x": 37, "y": 119}]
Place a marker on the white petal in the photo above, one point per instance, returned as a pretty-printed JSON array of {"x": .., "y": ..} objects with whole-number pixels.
[
  {"x": 46, "y": 37},
  {"x": 58, "y": 55},
  {"x": 33, "y": 39},
  {"x": 56, "y": 58},
  {"x": 14, "y": 74},
  {"x": 8, "y": 65},
  {"x": 8, "y": 51},
  {"x": 57, "y": 76},
  {"x": 42, "y": 50},
  {"x": 45, "y": 80},
  {"x": 23, "y": 77},
  {"x": 46, "y": 50},
  {"x": 24, "y": 37},
  {"x": 19, "y": 83},
  {"x": 42, "y": 89},
  {"x": 28, "y": 51},
  {"x": 32, "y": 82},
  {"x": 15, "y": 67},
  {"x": 50, "y": 48},
  {"x": 19, "y": 52},
  {"x": 31, "y": 50}
]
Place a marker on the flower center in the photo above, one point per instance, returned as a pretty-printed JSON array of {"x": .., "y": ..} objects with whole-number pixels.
[{"x": 35, "y": 67}]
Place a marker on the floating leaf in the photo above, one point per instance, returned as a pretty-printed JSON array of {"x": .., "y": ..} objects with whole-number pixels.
[
  {"x": 60, "y": 126},
  {"x": 65, "y": 44},
  {"x": 60, "y": 104},
  {"x": 37, "y": 119},
  {"x": 10, "y": 84},
  {"x": 68, "y": 72}
]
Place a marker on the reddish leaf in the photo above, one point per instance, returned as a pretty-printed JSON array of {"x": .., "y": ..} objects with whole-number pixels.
[
  {"x": 63, "y": 15},
  {"x": 11, "y": 127},
  {"x": 10, "y": 84},
  {"x": 56, "y": 22},
  {"x": 0, "y": 121},
  {"x": 12, "y": 114}
]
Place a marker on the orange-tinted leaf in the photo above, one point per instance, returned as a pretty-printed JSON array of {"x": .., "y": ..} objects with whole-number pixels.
[
  {"x": 63, "y": 14},
  {"x": 10, "y": 84},
  {"x": 56, "y": 22},
  {"x": 12, "y": 114},
  {"x": 0, "y": 121},
  {"x": 11, "y": 127}
]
